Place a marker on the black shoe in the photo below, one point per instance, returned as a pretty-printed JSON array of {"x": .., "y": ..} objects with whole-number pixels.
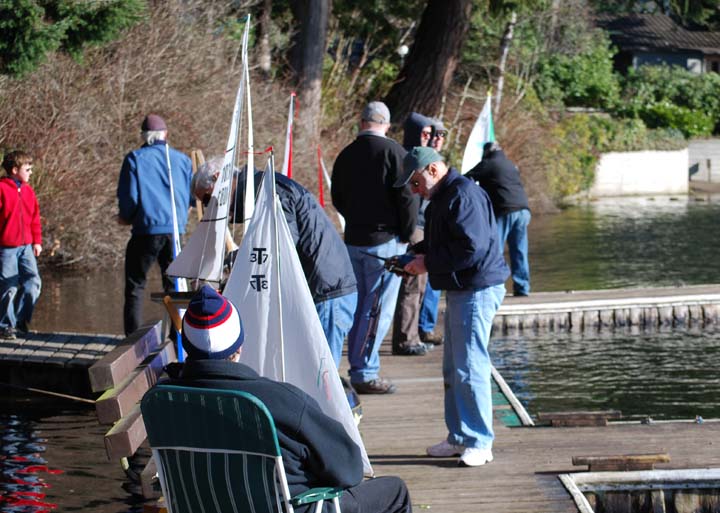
[
  {"x": 430, "y": 338},
  {"x": 411, "y": 350},
  {"x": 375, "y": 386},
  {"x": 7, "y": 333}
]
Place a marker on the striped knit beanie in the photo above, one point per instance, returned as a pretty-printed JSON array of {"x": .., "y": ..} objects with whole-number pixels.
[{"x": 212, "y": 328}]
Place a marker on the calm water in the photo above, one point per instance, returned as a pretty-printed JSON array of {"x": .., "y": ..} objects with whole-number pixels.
[
  {"x": 52, "y": 457},
  {"x": 662, "y": 375}
]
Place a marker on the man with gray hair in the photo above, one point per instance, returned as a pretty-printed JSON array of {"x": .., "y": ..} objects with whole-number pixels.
[
  {"x": 379, "y": 222},
  {"x": 462, "y": 254},
  {"x": 144, "y": 193}
]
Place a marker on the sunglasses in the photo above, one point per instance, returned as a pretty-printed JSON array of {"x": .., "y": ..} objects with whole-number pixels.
[
  {"x": 425, "y": 133},
  {"x": 441, "y": 133}
]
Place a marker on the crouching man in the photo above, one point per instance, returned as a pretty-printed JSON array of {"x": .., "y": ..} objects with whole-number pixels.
[
  {"x": 316, "y": 450},
  {"x": 462, "y": 255}
]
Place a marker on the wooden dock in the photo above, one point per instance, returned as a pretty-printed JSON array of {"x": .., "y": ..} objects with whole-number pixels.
[
  {"x": 643, "y": 308},
  {"x": 55, "y": 361},
  {"x": 397, "y": 428}
]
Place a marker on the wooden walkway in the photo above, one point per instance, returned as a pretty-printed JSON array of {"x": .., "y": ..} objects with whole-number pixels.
[
  {"x": 54, "y": 361},
  {"x": 523, "y": 478},
  {"x": 596, "y": 309}
]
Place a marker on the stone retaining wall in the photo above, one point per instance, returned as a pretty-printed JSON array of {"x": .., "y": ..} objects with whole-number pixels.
[{"x": 641, "y": 172}]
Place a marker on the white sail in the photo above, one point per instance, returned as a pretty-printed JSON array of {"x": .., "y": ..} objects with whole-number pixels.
[
  {"x": 482, "y": 132},
  {"x": 284, "y": 339},
  {"x": 203, "y": 255}
]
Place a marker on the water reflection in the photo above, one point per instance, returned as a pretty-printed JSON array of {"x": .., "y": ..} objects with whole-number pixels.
[
  {"x": 53, "y": 459},
  {"x": 662, "y": 375},
  {"x": 22, "y": 485},
  {"x": 628, "y": 242}
]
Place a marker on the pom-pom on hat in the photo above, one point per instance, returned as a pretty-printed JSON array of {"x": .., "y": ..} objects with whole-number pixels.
[
  {"x": 211, "y": 327},
  {"x": 153, "y": 123}
]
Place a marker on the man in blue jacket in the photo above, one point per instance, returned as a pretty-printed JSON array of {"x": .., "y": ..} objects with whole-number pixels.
[
  {"x": 316, "y": 449},
  {"x": 145, "y": 193},
  {"x": 462, "y": 255}
]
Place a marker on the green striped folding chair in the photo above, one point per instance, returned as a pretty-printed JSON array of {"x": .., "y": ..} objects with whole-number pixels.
[{"x": 217, "y": 451}]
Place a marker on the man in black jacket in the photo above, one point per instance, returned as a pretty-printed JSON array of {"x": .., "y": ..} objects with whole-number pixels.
[
  {"x": 379, "y": 222},
  {"x": 501, "y": 180},
  {"x": 316, "y": 450},
  {"x": 321, "y": 251}
]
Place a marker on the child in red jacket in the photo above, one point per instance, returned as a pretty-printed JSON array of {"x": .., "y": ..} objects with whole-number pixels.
[{"x": 20, "y": 244}]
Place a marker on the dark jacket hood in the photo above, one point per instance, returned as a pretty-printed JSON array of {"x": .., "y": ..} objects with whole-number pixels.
[{"x": 413, "y": 127}]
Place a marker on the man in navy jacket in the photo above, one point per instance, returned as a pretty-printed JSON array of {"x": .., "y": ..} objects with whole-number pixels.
[
  {"x": 316, "y": 449},
  {"x": 462, "y": 255}
]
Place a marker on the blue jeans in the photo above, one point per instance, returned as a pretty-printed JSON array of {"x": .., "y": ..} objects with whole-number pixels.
[
  {"x": 512, "y": 228},
  {"x": 370, "y": 274},
  {"x": 19, "y": 286},
  {"x": 429, "y": 309},
  {"x": 336, "y": 316},
  {"x": 467, "y": 367}
]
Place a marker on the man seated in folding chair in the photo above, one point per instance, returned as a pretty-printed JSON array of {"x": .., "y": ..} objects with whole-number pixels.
[{"x": 316, "y": 450}]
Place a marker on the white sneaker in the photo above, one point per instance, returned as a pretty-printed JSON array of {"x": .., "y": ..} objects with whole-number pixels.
[
  {"x": 474, "y": 457},
  {"x": 445, "y": 450}
]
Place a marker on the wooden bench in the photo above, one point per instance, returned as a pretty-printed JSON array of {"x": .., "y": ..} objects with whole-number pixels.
[
  {"x": 578, "y": 418},
  {"x": 123, "y": 376}
]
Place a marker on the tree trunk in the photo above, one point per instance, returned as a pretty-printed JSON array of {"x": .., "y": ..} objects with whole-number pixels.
[
  {"x": 264, "y": 38},
  {"x": 306, "y": 62},
  {"x": 504, "y": 50},
  {"x": 432, "y": 60}
]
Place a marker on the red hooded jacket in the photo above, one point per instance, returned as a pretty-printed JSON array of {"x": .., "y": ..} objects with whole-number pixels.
[{"x": 19, "y": 214}]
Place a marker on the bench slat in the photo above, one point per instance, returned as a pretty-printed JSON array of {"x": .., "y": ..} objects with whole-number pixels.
[
  {"x": 126, "y": 435},
  {"x": 117, "y": 402},
  {"x": 110, "y": 370}
]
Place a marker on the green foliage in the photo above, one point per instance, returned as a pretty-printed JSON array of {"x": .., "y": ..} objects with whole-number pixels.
[
  {"x": 692, "y": 123},
  {"x": 571, "y": 162},
  {"x": 581, "y": 138},
  {"x": 673, "y": 97},
  {"x": 30, "y": 30},
  {"x": 582, "y": 80},
  {"x": 25, "y": 38},
  {"x": 95, "y": 23}
]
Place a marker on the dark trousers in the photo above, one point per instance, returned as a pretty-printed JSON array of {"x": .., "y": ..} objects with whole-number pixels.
[
  {"x": 380, "y": 495},
  {"x": 407, "y": 309},
  {"x": 141, "y": 253}
]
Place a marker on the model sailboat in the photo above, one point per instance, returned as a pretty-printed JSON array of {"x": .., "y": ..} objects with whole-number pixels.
[
  {"x": 286, "y": 341},
  {"x": 204, "y": 254}
]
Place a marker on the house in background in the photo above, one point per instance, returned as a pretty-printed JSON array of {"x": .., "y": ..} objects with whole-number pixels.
[{"x": 658, "y": 39}]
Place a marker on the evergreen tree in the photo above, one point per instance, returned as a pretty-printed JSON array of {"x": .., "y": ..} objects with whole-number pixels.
[{"x": 31, "y": 30}]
